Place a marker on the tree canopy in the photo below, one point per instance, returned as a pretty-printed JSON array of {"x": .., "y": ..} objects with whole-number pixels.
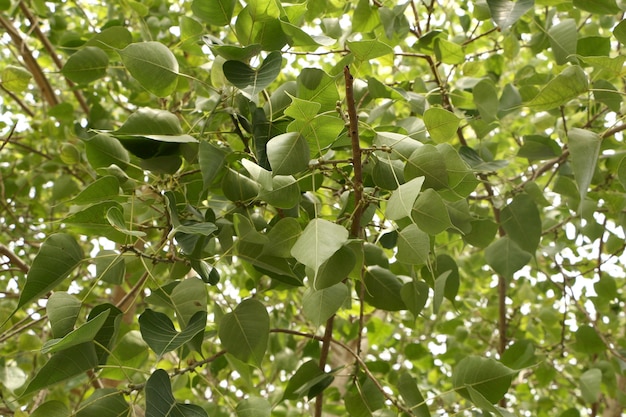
[{"x": 312, "y": 207}]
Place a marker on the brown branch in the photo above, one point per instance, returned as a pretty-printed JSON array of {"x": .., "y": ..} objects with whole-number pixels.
[
  {"x": 328, "y": 335},
  {"x": 31, "y": 63},
  {"x": 355, "y": 229},
  {"x": 13, "y": 258},
  {"x": 19, "y": 101},
  {"x": 52, "y": 53}
]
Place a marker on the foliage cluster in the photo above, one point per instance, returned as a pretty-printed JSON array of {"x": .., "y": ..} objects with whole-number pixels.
[{"x": 327, "y": 207}]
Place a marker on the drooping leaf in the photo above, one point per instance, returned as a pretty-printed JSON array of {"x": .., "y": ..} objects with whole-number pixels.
[
  {"x": 335, "y": 269},
  {"x": 254, "y": 407},
  {"x": 288, "y": 154},
  {"x": 62, "y": 309},
  {"x": 86, "y": 65},
  {"x": 486, "y": 99},
  {"x": 104, "y": 402},
  {"x": 116, "y": 219},
  {"x": 402, "y": 199},
  {"x": 282, "y": 236},
  {"x": 244, "y": 332},
  {"x": 238, "y": 187},
  {"x": 563, "y": 38},
  {"x": 415, "y": 294},
  {"x": 59, "y": 255},
  {"x": 506, "y": 12},
  {"x": 242, "y": 76},
  {"x": 64, "y": 365},
  {"x": 211, "y": 159},
  {"x": 318, "y": 242},
  {"x": 159, "y": 333},
  {"x": 383, "y": 289},
  {"x": 590, "y": 382},
  {"x": 506, "y": 257},
  {"x": 153, "y": 65},
  {"x": 103, "y": 188},
  {"x": 319, "y": 305},
  {"x": 485, "y": 375},
  {"x": 430, "y": 214},
  {"x": 85, "y": 333},
  {"x": 584, "y": 147},
  {"x": 214, "y": 12},
  {"x": 566, "y": 86},
  {"x": 413, "y": 246},
  {"x": 522, "y": 222},
  {"x": 160, "y": 401},
  {"x": 407, "y": 386}
]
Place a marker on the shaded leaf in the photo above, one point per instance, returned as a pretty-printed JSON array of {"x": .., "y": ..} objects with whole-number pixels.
[
  {"x": 159, "y": 333},
  {"x": 402, "y": 199},
  {"x": 590, "y": 382},
  {"x": 318, "y": 242},
  {"x": 160, "y": 401},
  {"x": 563, "y": 39},
  {"x": 63, "y": 310},
  {"x": 441, "y": 124},
  {"x": 522, "y": 222},
  {"x": 85, "y": 333},
  {"x": 413, "y": 246},
  {"x": 254, "y": 407},
  {"x": 584, "y": 147},
  {"x": 506, "y": 257},
  {"x": 319, "y": 305},
  {"x": 86, "y": 65},
  {"x": 214, "y": 12},
  {"x": 415, "y": 294},
  {"x": 58, "y": 256},
  {"x": 566, "y": 86},
  {"x": 241, "y": 75},
  {"x": 485, "y": 375},
  {"x": 407, "y": 386},
  {"x": 244, "y": 332},
  {"x": 430, "y": 213},
  {"x": 105, "y": 402},
  {"x": 383, "y": 289}
]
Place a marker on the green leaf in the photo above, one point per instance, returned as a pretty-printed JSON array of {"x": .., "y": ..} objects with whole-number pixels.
[
  {"x": 335, "y": 269},
  {"x": 153, "y": 65},
  {"x": 110, "y": 267},
  {"x": 288, "y": 153},
  {"x": 254, "y": 407},
  {"x": 315, "y": 85},
  {"x": 522, "y": 223},
  {"x": 188, "y": 298},
  {"x": 449, "y": 52},
  {"x": 116, "y": 219},
  {"x": 157, "y": 125},
  {"x": 318, "y": 242},
  {"x": 319, "y": 305},
  {"x": 230, "y": 52},
  {"x": 107, "y": 334},
  {"x": 537, "y": 147},
  {"x": 441, "y": 124},
  {"x": 58, "y": 256},
  {"x": 52, "y": 408},
  {"x": 85, "y": 333},
  {"x": 63, "y": 310},
  {"x": 407, "y": 386},
  {"x": 590, "y": 382},
  {"x": 598, "y": 6},
  {"x": 160, "y": 401},
  {"x": 282, "y": 237},
  {"x": 211, "y": 159},
  {"x": 415, "y": 294},
  {"x": 104, "y": 402},
  {"x": 401, "y": 202},
  {"x": 307, "y": 381},
  {"x": 506, "y": 12},
  {"x": 426, "y": 161},
  {"x": 368, "y": 49},
  {"x": 440, "y": 286},
  {"x": 401, "y": 146},
  {"x": 159, "y": 333},
  {"x": 413, "y": 246},
  {"x": 588, "y": 341},
  {"x": 103, "y": 151},
  {"x": 506, "y": 257},
  {"x": 383, "y": 289},
  {"x": 519, "y": 355},
  {"x": 110, "y": 39},
  {"x": 244, "y": 332},
  {"x": 15, "y": 79},
  {"x": 214, "y": 12},
  {"x": 64, "y": 365},
  {"x": 563, "y": 39},
  {"x": 238, "y": 187},
  {"x": 566, "y": 86},
  {"x": 430, "y": 214},
  {"x": 477, "y": 163},
  {"x": 242, "y": 76},
  {"x": 86, "y": 65},
  {"x": 619, "y": 32},
  {"x": 584, "y": 147},
  {"x": 485, "y": 375},
  {"x": 104, "y": 188},
  {"x": 486, "y": 100},
  {"x": 285, "y": 192}
]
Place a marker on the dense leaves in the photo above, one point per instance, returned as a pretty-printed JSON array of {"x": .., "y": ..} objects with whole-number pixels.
[{"x": 262, "y": 207}]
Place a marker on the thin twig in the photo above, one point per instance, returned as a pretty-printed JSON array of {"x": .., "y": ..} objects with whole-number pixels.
[
  {"x": 13, "y": 258},
  {"x": 355, "y": 229}
]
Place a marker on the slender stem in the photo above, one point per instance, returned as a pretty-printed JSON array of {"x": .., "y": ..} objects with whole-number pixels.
[
  {"x": 328, "y": 335},
  {"x": 13, "y": 258}
]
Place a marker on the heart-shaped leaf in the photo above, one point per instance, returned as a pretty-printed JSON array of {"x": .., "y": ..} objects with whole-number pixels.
[
  {"x": 242, "y": 76},
  {"x": 160, "y": 401}
]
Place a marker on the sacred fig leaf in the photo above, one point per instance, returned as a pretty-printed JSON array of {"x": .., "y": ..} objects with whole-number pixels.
[
  {"x": 159, "y": 333},
  {"x": 238, "y": 187},
  {"x": 242, "y": 76},
  {"x": 383, "y": 289},
  {"x": 244, "y": 332},
  {"x": 441, "y": 124},
  {"x": 254, "y": 407},
  {"x": 506, "y": 12},
  {"x": 153, "y": 65},
  {"x": 86, "y": 65},
  {"x": 506, "y": 257},
  {"x": 413, "y": 246},
  {"x": 485, "y": 375},
  {"x": 522, "y": 223},
  {"x": 319, "y": 305},
  {"x": 63, "y": 310},
  {"x": 160, "y": 401},
  {"x": 335, "y": 269},
  {"x": 85, "y": 333},
  {"x": 288, "y": 153},
  {"x": 214, "y": 12},
  {"x": 104, "y": 402},
  {"x": 15, "y": 79},
  {"x": 58, "y": 256},
  {"x": 307, "y": 381},
  {"x": 401, "y": 202},
  {"x": 566, "y": 86},
  {"x": 428, "y": 162},
  {"x": 318, "y": 242},
  {"x": 64, "y": 365},
  {"x": 584, "y": 148}
]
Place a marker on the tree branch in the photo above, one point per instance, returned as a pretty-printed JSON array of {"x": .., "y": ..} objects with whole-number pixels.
[{"x": 355, "y": 229}]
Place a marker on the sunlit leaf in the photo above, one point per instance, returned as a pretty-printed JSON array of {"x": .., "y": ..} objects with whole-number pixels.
[
  {"x": 584, "y": 147},
  {"x": 318, "y": 242},
  {"x": 86, "y": 65},
  {"x": 566, "y": 86},
  {"x": 485, "y": 375},
  {"x": 153, "y": 65},
  {"x": 505, "y": 12}
]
